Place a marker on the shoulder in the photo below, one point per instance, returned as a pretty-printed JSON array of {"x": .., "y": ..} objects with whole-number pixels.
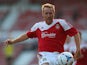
[
  {"x": 37, "y": 25},
  {"x": 64, "y": 24},
  {"x": 61, "y": 21}
]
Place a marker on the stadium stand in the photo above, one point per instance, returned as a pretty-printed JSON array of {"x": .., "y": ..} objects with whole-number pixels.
[
  {"x": 3, "y": 14},
  {"x": 26, "y": 20}
]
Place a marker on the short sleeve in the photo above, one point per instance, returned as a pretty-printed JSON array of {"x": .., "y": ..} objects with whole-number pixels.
[
  {"x": 68, "y": 28},
  {"x": 32, "y": 32},
  {"x": 72, "y": 31}
]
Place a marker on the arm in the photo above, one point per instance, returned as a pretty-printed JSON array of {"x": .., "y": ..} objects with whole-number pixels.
[
  {"x": 77, "y": 41},
  {"x": 29, "y": 34},
  {"x": 71, "y": 31},
  {"x": 19, "y": 39}
]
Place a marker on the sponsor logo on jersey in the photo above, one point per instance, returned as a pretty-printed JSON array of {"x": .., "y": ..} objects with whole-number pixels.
[{"x": 46, "y": 34}]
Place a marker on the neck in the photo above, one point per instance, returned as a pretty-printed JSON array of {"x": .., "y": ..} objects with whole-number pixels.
[{"x": 49, "y": 22}]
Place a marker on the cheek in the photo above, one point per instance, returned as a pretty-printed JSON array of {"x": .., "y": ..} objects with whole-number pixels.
[
  {"x": 43, "y": 14},
  {"x": 53, "y": 15}
]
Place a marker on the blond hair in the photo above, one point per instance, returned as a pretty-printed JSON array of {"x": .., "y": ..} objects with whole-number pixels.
[{"x": 49, "y": 6}]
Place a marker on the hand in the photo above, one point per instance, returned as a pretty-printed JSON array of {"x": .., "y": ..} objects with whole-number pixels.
[
  {"x": 8, "y": 41},
  {"x": 77, "y": 55}
]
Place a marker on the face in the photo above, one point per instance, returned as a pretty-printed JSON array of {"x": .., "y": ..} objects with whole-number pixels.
[{"x": 48, "y": 14}]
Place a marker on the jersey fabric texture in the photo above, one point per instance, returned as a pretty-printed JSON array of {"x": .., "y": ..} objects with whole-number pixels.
[{"x": 51, "y": 37}]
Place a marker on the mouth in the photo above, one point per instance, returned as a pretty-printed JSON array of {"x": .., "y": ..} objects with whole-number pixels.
[{"x": 49, "y": 18}]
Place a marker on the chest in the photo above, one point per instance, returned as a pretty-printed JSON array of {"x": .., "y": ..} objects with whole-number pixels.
[{"x": 50, "y": 32}]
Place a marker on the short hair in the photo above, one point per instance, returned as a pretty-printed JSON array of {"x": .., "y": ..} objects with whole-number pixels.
[{"x": 49, "y": 6}]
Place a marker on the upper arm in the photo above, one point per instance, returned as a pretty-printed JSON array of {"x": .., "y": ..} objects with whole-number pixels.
[
  {"x": 77, "y": 36},
  {"x": 32, "y": 32}
]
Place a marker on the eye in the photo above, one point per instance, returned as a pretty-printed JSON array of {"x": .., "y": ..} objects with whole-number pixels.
[
  {"x": 46, "y": 13},
  {"x": 50, "y": 12}
]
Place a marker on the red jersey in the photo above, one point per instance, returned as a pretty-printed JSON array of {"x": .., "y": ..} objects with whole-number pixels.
[{"x": 51, "y": 37}]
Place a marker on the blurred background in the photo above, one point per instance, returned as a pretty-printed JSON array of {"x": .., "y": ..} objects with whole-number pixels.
[{"x": 18, "y": 16}]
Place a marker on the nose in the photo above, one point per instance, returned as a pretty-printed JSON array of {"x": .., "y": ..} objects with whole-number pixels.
[{"x": 48, "y": 15}]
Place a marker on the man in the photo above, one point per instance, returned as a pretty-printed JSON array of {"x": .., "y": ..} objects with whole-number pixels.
[{"x": 51, "y": 35}]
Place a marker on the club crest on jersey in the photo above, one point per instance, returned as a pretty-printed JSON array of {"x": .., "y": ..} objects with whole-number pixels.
[{"x": 57, "y": 26}]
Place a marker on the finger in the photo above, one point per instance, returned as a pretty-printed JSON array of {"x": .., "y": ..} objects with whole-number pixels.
[{"x": 5, "y": 44}]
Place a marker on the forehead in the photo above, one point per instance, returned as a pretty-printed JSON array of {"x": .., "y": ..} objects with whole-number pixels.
[{"x": 47, "y": 9}]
